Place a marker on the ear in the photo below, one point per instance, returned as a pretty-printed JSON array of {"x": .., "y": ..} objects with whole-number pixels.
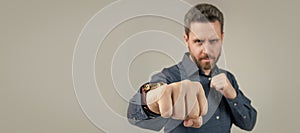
[
  {"x": 222, "y": 37},
  {"x": 186, "y": 39}
]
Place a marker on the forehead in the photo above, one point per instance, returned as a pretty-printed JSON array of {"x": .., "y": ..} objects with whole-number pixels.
[{"x": 205, "y": 29}]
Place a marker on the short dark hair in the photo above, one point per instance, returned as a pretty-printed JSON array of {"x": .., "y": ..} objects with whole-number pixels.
[{"x": 203, "y": 13}]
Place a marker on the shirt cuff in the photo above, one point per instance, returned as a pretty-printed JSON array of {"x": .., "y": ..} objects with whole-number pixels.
[
  {"x": 236, "y": 102},
  {"x": 145, "y": 108}
]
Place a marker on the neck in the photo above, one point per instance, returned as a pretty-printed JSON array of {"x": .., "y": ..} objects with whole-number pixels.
[{"x": 206, "y": 72}]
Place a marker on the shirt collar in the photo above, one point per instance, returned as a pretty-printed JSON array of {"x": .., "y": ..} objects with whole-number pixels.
[{"x": 191, "y": 68}]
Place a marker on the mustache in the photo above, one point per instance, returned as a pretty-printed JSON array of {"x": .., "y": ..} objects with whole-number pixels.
[{"x": 206, "y": 56}]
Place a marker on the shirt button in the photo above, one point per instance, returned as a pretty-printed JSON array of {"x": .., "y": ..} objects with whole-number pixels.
[
  {"x": 217, "y": 117},
  {"x": 244, "y": 117},
  {"x": 234, "y": 104}
]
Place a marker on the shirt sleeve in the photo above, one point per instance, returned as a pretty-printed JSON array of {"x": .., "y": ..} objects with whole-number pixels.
[
  {"x": 144, "y": 118},
  {"x": 244, "y": 114}
]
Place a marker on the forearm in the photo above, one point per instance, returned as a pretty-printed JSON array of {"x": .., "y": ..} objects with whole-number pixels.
[
  {"x": 243, "y": 113},
  {"x": 142, "y": 118}
]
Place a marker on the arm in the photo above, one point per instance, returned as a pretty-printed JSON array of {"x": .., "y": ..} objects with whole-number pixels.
[
  {"x": 161, "y": 101},
  {"x": 244, "y": 115},
  {"x": 145, "y": 118}
]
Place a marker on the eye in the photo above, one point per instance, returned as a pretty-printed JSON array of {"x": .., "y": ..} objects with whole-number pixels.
[
  {"x": 198, "y": 41},
  {"x": 214, "y": 41}
]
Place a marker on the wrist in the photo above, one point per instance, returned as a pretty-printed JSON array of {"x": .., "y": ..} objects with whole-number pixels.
[
  {"x": 149, "y": 106},
  {"x": 230, "y": 93}
]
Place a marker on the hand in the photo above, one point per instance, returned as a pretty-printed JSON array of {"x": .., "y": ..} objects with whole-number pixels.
[
  {"x": 221, "y": 83},
  {"x": 184, "y": 100}
]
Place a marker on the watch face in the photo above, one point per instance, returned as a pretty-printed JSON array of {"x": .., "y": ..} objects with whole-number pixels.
[{"x": 147, "y": 87}]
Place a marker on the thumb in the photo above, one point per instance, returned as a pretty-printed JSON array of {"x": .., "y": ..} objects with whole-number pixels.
[
  {"x": 188, "y": 123},
  {"x": 197, "y": 123},
  {"x": 194, "y": 122}
]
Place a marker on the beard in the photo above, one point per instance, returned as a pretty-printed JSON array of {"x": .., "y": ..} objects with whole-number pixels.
[{"x": 205, "y": 65}]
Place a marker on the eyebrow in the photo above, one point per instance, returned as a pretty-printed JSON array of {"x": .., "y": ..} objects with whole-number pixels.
[
  {"x": 214, "y": 39},
  {"x": 194, "y": 40}
]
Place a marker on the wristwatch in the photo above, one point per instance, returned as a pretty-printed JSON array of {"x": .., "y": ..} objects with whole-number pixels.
[
  {"x": 146, "y": 88},
  {"x": 151, "y": 86}
]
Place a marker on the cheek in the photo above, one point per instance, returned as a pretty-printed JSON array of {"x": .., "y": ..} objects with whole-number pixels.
[
  {"x": 196, "y": 51},
  {"x": 216, "y": 50}
]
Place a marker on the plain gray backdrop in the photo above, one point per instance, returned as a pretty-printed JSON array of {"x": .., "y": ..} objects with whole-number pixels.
[{"x": 38, "y": 38}]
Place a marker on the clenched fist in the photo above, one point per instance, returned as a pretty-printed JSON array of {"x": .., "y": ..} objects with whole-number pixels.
[
  {"x": 221, "y": 83},
  {"x": 184, "y": 100}
]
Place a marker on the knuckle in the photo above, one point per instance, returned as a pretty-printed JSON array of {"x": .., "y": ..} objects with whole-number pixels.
[
  {"x": 195, "y": 89},
  {"x": 198, "y": 122},
  {"x": 186, "y": 81},
  {"x": 166, "y": 114},
  {"x": 168, "y": 87},
  {"x": 204, "y": 110},
  {"x": 174, "y": 86},
  {"x": 196, "y": 125},
  {"x": 179, "y": 117},
  {"x": 167, "y": 90},
  {"x": 198, "y": 85},
  {"x": 193, "y": 116}
]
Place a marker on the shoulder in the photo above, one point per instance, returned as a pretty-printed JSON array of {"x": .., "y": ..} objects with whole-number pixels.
[
  {"x": 171, "y": 70},
  {"x": 228, "y": 73},
  {"x": 167, "y": 75},
  {"x": 172, "y": 73}
]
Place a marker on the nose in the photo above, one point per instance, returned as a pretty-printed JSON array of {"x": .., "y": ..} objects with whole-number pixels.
[{"x": 205, "y": 47}]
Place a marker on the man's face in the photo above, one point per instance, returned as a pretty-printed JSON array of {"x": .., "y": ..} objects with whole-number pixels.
[{"x": 205, "y": 43}]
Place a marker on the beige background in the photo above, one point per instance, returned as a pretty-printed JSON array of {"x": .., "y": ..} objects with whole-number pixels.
[{"x": 38, "y": 39}]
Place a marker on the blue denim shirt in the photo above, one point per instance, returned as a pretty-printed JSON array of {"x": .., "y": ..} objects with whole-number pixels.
[{"x": 222, "y": 112}]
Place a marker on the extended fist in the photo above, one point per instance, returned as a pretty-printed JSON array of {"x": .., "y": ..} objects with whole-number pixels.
[{"x": 184, "y": 100}]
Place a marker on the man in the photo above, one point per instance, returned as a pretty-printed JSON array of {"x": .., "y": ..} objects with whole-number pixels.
[{"x": 194, "y": 95}]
